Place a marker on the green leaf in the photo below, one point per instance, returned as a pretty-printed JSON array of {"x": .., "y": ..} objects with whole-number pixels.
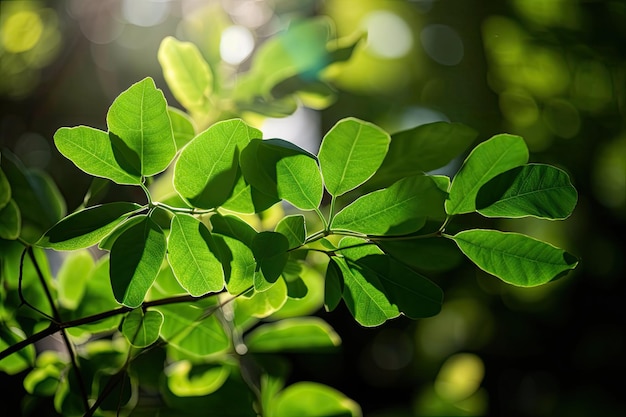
[
  {"x": 402, "y": 208},
  {"x": 190, "y": 328},
  {"x": 10, "y": 221},
  {"x": 96, "y": 153},
  {"x": 280, "y": 168},
  {"x": 489, "y": 159},
  {"x": 136, "y": 258},
  {"x": 424, "y": 254},
  {"x": 191, "y": 253},
  {"x": 207, "y": 169},
  {"x": 139, "y": 118},
  {"x": 296, "y": 334},
  {"x": 421, "y": 149},
  {"x": 72, "y": 278},
  {"x": 535, "y": 190},
  {"x": 350, "y": 154},
  {"x": 263, "y": 304},
  {"x": 107, "y": 242},
  {"x": 248, "y": 199},
  {"x": 5, "y": 189},
  {"x": 234, "y": 227},
  {"x": 19, "y": 361},
  {"x": 293, "y": 227},
  {"x": 514, "y": 258},
  {"x": 187, "y": 380},
  {"x": 333, "y": 286},
  {"x": 411, "y": 293},
  {"x": 182, "y": 127},
  {"x": 187, "y": 73},
  {"x": 86, "y": 227},
  {"x": 270, "y": 253},
  {"x": 142, "y": 328},
  {"x": 310, "y": 399}
]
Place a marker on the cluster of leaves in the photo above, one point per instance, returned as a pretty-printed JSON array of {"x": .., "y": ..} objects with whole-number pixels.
[{"x": 184, "y": 282}]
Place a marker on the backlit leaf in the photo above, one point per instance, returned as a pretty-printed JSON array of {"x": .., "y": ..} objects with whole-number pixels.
[
  {"x": 310, "y": 399},
  {"x": 402, "y": 208},
  {"x": 86, "y": 227},
  {"x": 263, "y": 304},
  {"x": 136, "y": 258},
  {"x": 514, "y": 258},
  {"x": 142, "y": 328},
  {"x": 182, "y": 127},
  {"x": 207, "y": 169},
  {"x": 296, "y": 334},
  {"x": 533, "y": 190},
  {"x": 72, "y": 278},
  {"x": 187, "y": 380},
  {"x": 10, "y": 221},
  {"x": 94, "y": 152},
  {"x": 293, "y": 227},
  {"x": 350, "y": 154},
  {"x": 489, "y": 159},
  {"x": 139, "y": 118},
  {"x": 421, "y": 149},
  {"x": 191, "y": 253},
  {"x": 187, "y": 73},
  {"x": 270, "y": 253}
]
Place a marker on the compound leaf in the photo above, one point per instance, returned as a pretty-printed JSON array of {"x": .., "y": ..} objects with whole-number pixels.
[
  {"x": 136, "y": 257},
  {"x": 350, "y": 154},
  {"x": 489, "y": 159},
  {"x": 536, "y": 190},
  {"x": 139, "y": 118},
  {"x": 514, "y": 258}
]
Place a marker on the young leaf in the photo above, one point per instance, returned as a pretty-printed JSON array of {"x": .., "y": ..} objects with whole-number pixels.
[
  {"x": 280, "y": 168},
  {"x": 187, "y": 380},
  {"x": 94, "y": 152},
  {"x": 270, "y": 253},
  {"x": 422, "y": 149},
  {"x": 10, "y": 221},
  {"x": 402, "y": 208},
  {"x": 296, "y": 334},
  {"x": 136, "y": 258},
  {"x": 139, "y": 118},
  {"x": 142, "y": 328},
  {"x": 182, "y": 127},
  {"x": 191, "y": 253},
  {"x": 492, "y": 157},
  {"x": 514, "y": 258},
  {"x": 86, "y": 227},
  {"x": 72, "y": 278},
  {"x": 207, "y": 169},
  {"x": 293, "y": 228},
  {"x": 189, "y": 328},
  {"x": 535, "y": 190},
  {"x": 187, "y": 73},
  {"x": 310, "y": 399},
  {"x": 350, "y": 154}
]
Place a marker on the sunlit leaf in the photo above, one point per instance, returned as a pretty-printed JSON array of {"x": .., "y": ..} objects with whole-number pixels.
[
  {"x": 293, "y": 227},
  {"x": 402, "y": 208},
  {"x": 191, "y": 329},
  {"x": 43, "y": 380},
  {"x": 107, "y": 242},
  {"x": 86, "y": 227},
  {"x": 139, "y": 118},
  {"x": 94, "y": 152},
  {"x": 533, "y": 190},
  {"x": 18, "y": 361},
  {"x": 72, "y": 278},
  {"x": 280, "y": 168},
  {"x": 515, "y": 258},
  {"x": 187, "y": 73},
  {"x": 263, "y": 304},
  {"x": 182, "y": 127},
  {"x": 350, "y": 154},
  {"x": 10, "y": 221},
  {"x": 141, "y": 328},
  {"x": 207, "y": 169},
  {"x": 422, "y": 149},
  {"x": 270, "y": 253},
  {"x": 489, "y": 159},
  {"x": 310, "y": 399},
  {"x": 247, "y": 199},
  {"x": 186, "y": 380},
  {"x": 424, "y": 254},
  {"x": 136, "y": 258},
  {"x": 191, "y": 253},
  {"x": 296, "y": 334},
  {"x": 234, "y": 227}
]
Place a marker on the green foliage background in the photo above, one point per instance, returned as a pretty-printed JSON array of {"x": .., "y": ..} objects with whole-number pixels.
[{"x": 551, "y": 72}]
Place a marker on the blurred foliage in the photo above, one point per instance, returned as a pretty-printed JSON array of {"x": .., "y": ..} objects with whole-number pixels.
[{"x": 552, "y": 71}]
